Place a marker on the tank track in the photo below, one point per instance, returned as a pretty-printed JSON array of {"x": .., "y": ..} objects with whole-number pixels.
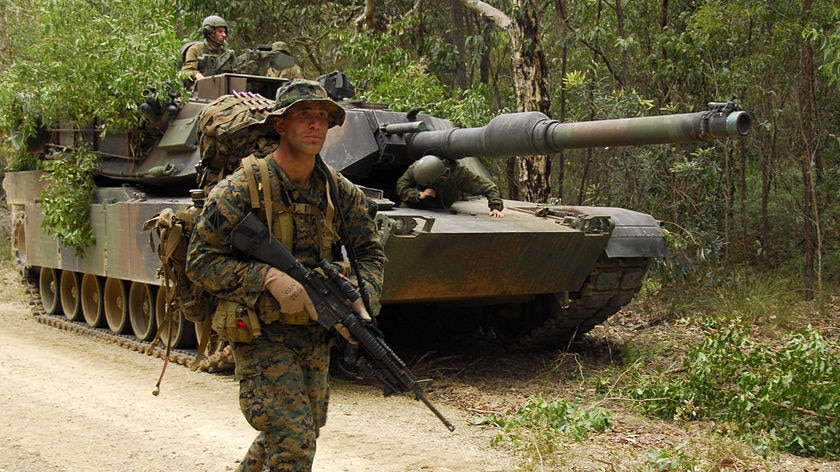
[
  {"x": 611, "y": 285},
  {"x": 219, "y": 361}
]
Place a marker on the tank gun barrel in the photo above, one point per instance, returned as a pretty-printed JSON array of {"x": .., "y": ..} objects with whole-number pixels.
[{"x": 524, "y": 133}]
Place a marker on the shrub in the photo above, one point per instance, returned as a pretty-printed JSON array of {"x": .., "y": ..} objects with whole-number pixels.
[{"x": 783, "y": 396}]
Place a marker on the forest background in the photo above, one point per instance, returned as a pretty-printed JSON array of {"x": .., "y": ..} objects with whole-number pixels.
[
  {"x": 752, "y": 224},
  {"x": 735, "y": 209}
]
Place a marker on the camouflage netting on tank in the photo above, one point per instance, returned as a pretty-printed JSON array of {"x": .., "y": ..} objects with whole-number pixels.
[{"x": 230, "y": 128}]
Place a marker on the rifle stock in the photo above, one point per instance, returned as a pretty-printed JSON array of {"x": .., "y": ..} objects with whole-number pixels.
[{"x": 333, "y": 297}]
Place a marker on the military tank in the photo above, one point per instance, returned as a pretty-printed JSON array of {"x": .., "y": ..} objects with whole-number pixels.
[{"x": 534, "y": 279}]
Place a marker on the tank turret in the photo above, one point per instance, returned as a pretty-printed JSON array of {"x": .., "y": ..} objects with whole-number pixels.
[{"x": 374, "y": 146}]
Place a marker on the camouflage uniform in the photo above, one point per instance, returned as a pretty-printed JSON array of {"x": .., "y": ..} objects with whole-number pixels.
[
  {"x": 461, "y": 182},
  {"x": 283, "y": 374},
  {"x": 197, "y": 59}
]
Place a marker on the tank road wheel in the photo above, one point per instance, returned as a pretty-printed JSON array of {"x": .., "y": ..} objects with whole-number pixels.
[
  {"x": 141, "y": 310},
  {"x": 71, "y": 295},
  {"x": 48, "y": 285},
  {"x": 92, "y": 308},
  {"x": 183, "y": 332},
  {"x": 116, "y": 305}
]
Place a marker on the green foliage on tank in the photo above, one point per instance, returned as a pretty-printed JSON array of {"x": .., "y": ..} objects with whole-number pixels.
[
  {"x": 67, "y": 197},
  {"x": 69, "y": 70}
]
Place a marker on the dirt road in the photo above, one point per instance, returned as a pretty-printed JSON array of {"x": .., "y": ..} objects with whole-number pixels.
[{"x": 69, "y": 403}]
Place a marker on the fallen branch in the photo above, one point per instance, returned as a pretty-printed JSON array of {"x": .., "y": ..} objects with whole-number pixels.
[{"x": 804, "y": 411}]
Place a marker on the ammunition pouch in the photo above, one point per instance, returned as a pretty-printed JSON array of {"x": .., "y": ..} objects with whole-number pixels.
[
  {"x": 195, "y": 305},
  {"x": 212, "y": 64},
  {"x": 269, "y": 311},
  {"x": 236, "y": 322}
]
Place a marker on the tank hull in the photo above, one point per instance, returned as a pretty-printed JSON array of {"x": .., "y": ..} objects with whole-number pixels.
[
  {"x": 122, "y": 248},
  {"x": 468, "y": 256},
  {"x": 514, "y": 258}
]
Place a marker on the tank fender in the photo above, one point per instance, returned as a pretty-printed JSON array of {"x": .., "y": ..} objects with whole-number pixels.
[{"x": 634, "y": 234}]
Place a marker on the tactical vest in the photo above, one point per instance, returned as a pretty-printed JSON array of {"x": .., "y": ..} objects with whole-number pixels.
[
  {"x": 211, "y": 63},
  {"x": 281, "y": 220}
]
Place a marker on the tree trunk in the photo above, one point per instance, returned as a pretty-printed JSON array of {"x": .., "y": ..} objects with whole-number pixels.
[
  {"x": 804, "y": 98},
  {"x": 619, "y": 25},
  {"x": 528, "y": 177},
  {"x": 560, "y": 157},
  {"x": 460, "y": 43},
  {"x": 368, "y": 17},
  {"x": 768, "y": 156},
  {"x": 530, "y": 77},
  {"x": 664, "y": 18}
]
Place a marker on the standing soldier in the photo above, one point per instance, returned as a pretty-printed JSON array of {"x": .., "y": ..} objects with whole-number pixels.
[
  {"x": 283, "y": 371},
  {"x": 210, "y": 57}
]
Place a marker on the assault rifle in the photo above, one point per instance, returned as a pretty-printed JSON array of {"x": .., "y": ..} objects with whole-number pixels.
[{"x": 333, "y": 296}]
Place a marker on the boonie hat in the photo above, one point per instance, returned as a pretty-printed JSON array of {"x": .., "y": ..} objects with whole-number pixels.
[{"x": 302, "y": 90}]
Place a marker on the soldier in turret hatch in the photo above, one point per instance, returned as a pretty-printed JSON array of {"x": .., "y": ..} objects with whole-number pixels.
[
  {"x": 285, "y": 71},
  {"x": 210, "y": 57},
  {"x": 270, "y": 60},
  {"x": 432, "y": 182}
]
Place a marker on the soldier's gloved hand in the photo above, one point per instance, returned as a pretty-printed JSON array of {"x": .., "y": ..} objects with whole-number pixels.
[
  {"x": 345, "y": 333},
  {"x": 361, "y": 310},
  {"x": 289, "y": 293}
]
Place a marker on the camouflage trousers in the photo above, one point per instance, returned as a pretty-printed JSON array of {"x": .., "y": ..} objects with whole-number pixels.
[{"x": 283, "y": 393}]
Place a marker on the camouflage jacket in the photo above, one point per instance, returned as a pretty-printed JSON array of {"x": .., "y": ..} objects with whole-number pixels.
[
  {"x": 213, "y": 264},
  {"x": 209, "y": 61},
  {"x": 461, "y": 182}
]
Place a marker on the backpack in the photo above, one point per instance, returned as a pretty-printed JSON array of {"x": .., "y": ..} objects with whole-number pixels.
[
  {"x": 173, "y": 230},
  {"x": 182, "y": 53},
  {"x": 229, "y": 129}
]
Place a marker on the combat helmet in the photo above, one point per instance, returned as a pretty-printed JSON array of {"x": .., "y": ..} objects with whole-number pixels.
[
  {"x": 302, "y": 90},
  {"x": 209, "y": 25},
  {"x": 430, "y": 171},
  {"x": 281, "y": 46},
  {"x": 281, "y": 55}
]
